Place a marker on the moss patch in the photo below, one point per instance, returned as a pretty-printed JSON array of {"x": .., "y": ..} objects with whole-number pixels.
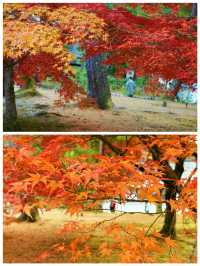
[{"x": 27, "y": 93}]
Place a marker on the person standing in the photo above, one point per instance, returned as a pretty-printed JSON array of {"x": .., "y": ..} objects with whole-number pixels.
[
  {"x": 112, "y": 205},
  {"x": 130, "y": 86}
]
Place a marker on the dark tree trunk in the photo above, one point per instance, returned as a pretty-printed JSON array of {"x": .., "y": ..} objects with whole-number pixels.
[
  {"x": 98, "y": 86},
  {"x": 194, "y": 10},
  {"x": 101, "y": 147},
  {"x": 8, "y": 87},
  {"x": 169, "y": 226},
  {"x": 33, "y": 217},
  {"x": 91, "y": 77},
  {"x": 171, "y": 190}
]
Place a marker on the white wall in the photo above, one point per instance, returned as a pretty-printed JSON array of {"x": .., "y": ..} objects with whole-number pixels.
[
  {"x": 140, "y": 206},
  {"x": 131, "y": 207}
]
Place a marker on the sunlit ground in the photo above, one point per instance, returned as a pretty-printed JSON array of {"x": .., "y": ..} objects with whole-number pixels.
[{"x": 23, "y": 242}]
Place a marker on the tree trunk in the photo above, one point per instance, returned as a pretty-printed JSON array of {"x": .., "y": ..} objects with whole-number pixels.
[
  {"x": 91, "y": 77},
  {"x": 171, "y": 190},
  {"x": 8, "y": 86},
  {"x": 101, "y": 147},
  {"x": 164, "y": 104},
  {"x": 169, "y": 226},
  {"x": 98, "y": 86},
  {"x": 33, "y": 217},
  {"x": 194, "y": 10}
]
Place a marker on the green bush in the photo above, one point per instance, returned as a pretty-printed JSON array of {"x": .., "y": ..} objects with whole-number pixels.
[
  {"x": 31, "y": 92},
  {"x": 49, "y": 83},
  {"x": 81, "y": 77}
]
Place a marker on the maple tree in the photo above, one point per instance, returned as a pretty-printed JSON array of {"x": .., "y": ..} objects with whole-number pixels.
[
  {"x": 158, "y": 43},
  {"x": 48, "y": 173},
  {"x": 34, "y": 44}
]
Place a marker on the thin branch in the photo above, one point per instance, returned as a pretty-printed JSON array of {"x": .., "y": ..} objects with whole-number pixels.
[
  {"x": 123, "y": 202},
  {"x": 110, "y": 145},
  {"x": 102, "y": 222},
  {"x": 116, "y": 217},
  {"x": 129, "y": 140},
  {"x": 190, "y": 177},
  {"x": 153, "y": 223},
  {"x": 108, "y": 220},
  {"x": 131, "y": 212}
]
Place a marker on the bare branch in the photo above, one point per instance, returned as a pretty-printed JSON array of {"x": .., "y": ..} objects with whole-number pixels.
[
  {"x": 153, "y": 223},
  {"x": 148, "y": 213},
  {"x": 110, "y": 145}
]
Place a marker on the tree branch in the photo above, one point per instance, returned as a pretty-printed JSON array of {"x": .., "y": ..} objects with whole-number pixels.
[
  {"x": 120, "y": 215},
  {"x": 148, "y": 213},
  {"x": 190, "y": 177},
  {"x": 110, "y": 145},
  {"x": 153, "y": 223}
]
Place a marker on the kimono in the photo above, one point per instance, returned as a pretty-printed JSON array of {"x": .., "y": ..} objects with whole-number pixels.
[{"x": 130, "y": 86}]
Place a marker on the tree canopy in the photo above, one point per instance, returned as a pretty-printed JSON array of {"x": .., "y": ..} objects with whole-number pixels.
[
  {"x": 35, "y": 36},
  {"x": 72, "y": 171},
  {"x": 153, "y": 41},
  {"x": 157, "y": 43}
]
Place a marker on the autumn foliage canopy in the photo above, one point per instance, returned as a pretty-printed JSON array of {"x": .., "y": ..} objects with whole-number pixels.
[
  {"x": 46, "y": 172},
  {"x": 159, "y": 43}
]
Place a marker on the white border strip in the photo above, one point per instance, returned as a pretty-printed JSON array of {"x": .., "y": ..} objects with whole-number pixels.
[{"x": 99, "y": 133}]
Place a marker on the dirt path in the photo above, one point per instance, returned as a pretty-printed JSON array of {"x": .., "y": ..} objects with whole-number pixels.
[{"x": 128, "y": 114}]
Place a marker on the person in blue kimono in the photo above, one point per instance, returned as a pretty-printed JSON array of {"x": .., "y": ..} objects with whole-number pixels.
[{"x": 130, "y": 86}]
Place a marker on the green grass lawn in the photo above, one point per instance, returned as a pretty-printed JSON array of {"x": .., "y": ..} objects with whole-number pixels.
[{"x": 186, "y": 234}]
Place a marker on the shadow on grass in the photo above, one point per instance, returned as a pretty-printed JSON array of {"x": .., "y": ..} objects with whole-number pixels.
[{"x": 42, "y": 123}]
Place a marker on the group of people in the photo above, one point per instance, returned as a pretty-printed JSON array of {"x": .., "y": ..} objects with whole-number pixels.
[{"x": 185, "y": 94}]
